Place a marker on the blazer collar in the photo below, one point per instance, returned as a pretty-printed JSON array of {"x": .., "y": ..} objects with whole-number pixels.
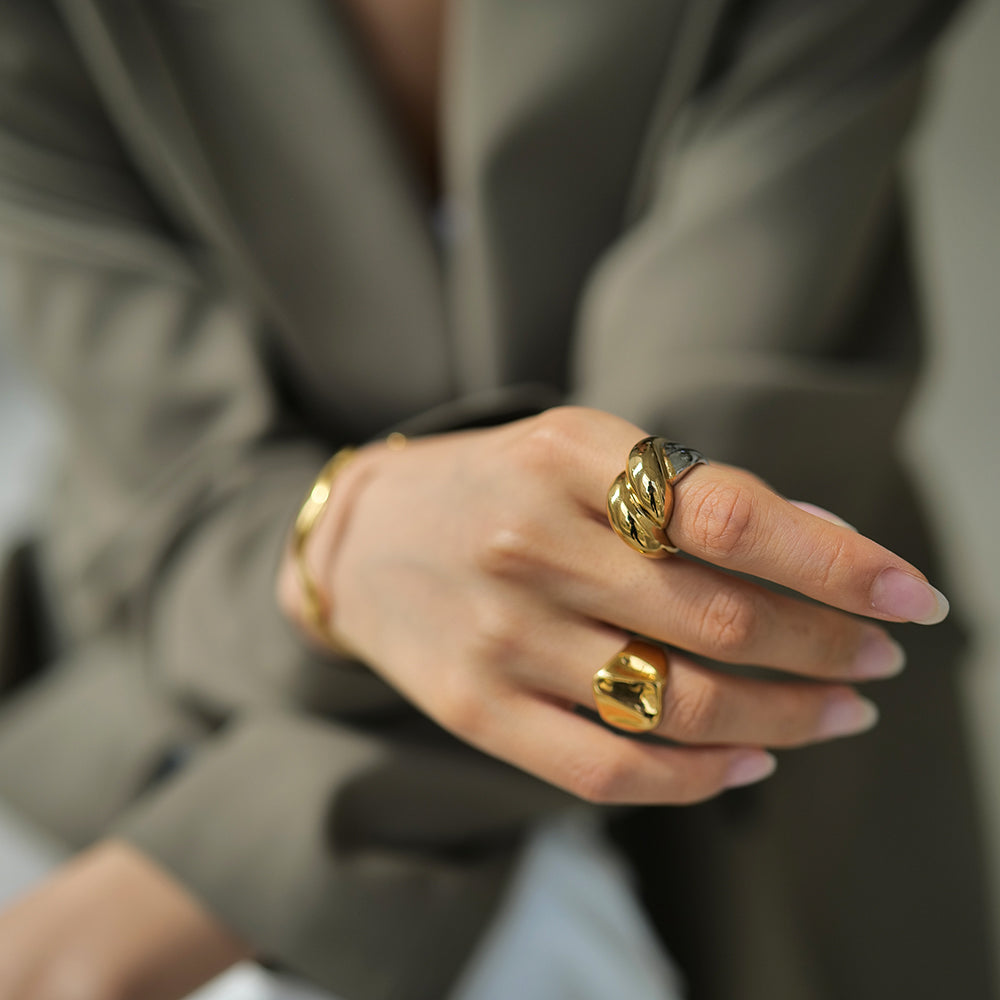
[{"x": 261, "y": 120}]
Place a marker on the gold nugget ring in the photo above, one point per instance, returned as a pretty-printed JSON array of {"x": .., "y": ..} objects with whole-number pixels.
[
  {"x": 628, "y": 689},
  {"x": 641, "y": 499}
]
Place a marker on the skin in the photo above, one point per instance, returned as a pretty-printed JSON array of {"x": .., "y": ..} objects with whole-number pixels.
[
  {"x": 110, "y": 925},
  {"x": 476, "y": 572},
  {"x": 405, "y": 43}
]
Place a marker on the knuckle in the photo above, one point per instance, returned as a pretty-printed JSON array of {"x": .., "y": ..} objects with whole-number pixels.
[
  {"x": 551, "y": 438},
  {"x": 568, "y": 420},
  {"x": 510, "y": 546},
  {"x": 497, "y": 637},
  {"x": 599, "y": 780},
  {"x": 721, "y": 518},
  {"x": 729, "y": 625},
  {"x": 829, "y": 564},
  {"x": 462, "y": 709},
  {"x": 693, "y": 713},
  {"x": 834, "y": 649}
]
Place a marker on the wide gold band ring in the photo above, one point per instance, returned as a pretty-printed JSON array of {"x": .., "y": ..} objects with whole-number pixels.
[
  {"x": 641, "y": 499},
  {"x": 628, "y": 689}
]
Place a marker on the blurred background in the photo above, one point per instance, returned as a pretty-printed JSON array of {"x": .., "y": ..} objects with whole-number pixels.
[{"x": 952, "y": 436}]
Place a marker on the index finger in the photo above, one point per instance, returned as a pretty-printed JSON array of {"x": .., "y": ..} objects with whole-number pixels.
[{"x": 730, "y": 518}]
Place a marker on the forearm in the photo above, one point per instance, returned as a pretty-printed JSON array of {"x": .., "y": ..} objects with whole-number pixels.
[{"x": 111, "y": 925}]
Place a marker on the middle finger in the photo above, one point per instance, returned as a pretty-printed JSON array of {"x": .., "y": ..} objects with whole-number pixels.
[{"x": 706, "y": 611}]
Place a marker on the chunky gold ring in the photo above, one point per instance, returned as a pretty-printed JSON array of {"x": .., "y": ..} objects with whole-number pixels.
[
  {"x": 641, "y": 499},
  {"x": 628, "y": 689}
]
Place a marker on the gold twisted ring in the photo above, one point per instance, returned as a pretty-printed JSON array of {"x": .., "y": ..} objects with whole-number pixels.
[
  {"x": 641, "y": 499},
  {"x": 628, "y": 689}
]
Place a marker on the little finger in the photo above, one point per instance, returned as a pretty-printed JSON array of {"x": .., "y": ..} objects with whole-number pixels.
[{"x": 549, "y": 740}]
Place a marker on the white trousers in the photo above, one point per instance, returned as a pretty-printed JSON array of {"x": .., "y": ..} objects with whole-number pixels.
[{"x": 569, "y": 929}]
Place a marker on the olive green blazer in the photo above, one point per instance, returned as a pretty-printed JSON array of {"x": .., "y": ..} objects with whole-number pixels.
[{"x": 217, "y": 254}]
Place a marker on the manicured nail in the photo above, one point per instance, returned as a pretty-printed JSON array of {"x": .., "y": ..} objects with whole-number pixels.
[
  {"x": 901, "y": 595},
  {"x": 827, "y": 515},
  {"x": 753, "y": 767},
  {"x": 847, "y": 716},
  {"x": 879, "y": 655}
]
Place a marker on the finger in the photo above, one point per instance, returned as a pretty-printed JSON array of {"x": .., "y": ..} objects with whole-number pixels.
[
  {"x": 731, "y": 519},
  {"x": 822, "y": 512},
  {"x": 702, "y": 706},
  {"x": 728, "y": 517},
  {"x": 715, "y": 614},
  {"x": 549, "y": 740},
  {"x": 578, "y": 564},
  {"x": 705, "y": 706}
]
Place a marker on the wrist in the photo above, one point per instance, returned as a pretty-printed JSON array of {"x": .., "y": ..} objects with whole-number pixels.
[{"x": 305, "y": 577}]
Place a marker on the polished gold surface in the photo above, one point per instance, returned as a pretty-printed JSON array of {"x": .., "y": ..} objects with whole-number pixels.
[
  {"x": 315, "y": 606},
  {"x": 650, "y": 480},
  {"x": 628, "y": 689},
  {"x": 632, "y": 523},
  {"x": 641, "y": 499}
]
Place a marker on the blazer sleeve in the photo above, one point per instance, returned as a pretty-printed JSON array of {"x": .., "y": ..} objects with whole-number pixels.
[
  {"x": 182, "y": 468},
  {"x": 320, "y": 818},
  {"x": 759, "y": 307}
]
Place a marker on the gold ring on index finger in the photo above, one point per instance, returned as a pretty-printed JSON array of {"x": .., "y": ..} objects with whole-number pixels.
[{"x": 641, "y": 499}]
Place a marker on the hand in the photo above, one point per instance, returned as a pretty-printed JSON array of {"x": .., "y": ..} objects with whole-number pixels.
[
  {"x": 477, "y": 573},
  {"x": 110, "y": 925}
]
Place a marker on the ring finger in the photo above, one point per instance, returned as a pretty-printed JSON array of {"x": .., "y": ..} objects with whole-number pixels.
[{"x": 700, "y": 705}]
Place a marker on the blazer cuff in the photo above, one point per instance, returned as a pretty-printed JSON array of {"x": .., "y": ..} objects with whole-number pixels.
[
  {"x": 216, "y": 636},
  {"x": 370, "y": 865}
]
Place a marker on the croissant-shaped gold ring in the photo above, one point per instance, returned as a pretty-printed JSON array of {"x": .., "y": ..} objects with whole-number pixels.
[{"x": 641, "y": 499}]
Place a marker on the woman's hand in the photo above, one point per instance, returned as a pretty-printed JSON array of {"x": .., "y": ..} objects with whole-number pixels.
[
  {"x": 477, "y": 573},
  {"x": 110, "y": 925}
]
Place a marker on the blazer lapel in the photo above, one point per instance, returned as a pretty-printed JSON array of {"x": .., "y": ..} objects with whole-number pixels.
[
  {"x": 547, "y": 104},
  {"x": 262, "y": 119}
]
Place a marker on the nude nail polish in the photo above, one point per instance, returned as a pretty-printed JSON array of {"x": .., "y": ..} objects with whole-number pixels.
[
  {"x": 847, "y": 717},
  {"x": 902, "y": 595},
  {"x": 878, "y": 655},
  {"x": 751, "y": 768}
]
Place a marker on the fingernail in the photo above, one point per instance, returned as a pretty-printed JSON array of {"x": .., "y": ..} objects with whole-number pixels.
[
  {"x": 902, "y": 595},
  {"x": 811, "y": 508},
  {"x": 879, "y": 655},
  {"x": 847, "y": 717},
  {"x": 753, "y": 767}
]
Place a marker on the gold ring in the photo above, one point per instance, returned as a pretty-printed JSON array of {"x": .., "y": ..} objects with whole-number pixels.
[
  {"x": 628, "y": 689},
  {"x": 641, "y": 499}
]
